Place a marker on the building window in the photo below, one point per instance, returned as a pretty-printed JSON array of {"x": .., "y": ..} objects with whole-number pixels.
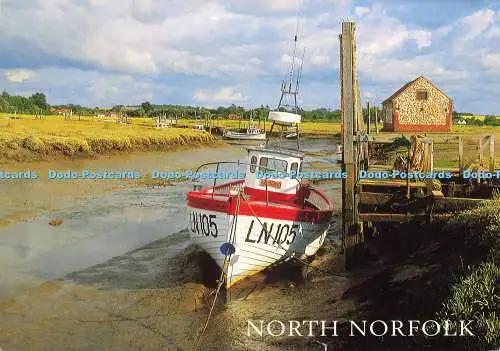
[{"x": 421, "y": 95}]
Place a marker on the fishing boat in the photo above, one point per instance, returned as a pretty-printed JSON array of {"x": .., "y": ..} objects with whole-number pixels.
[
  {"x": 271, "y": 215},
  {"x": 251, "y": 133}
]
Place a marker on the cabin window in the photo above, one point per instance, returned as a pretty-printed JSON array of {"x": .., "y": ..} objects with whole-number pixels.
[
  {"x": 421, "y": 94},
  {"x": 278, "y": 165},
  {"x": 294, "y": 167},
  {"x": 263, "y": 164},
  {"x": 272, "y": 164},
  {"x": 253, "y": 163}
]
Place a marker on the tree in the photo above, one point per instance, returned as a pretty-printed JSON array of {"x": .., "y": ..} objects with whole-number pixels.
[
  {"x": 39, "y": 100},
  {"x": 146, "y": 107}
]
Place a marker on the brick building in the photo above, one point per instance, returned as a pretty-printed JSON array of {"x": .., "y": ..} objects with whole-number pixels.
[{"x": 419, "y": 106}]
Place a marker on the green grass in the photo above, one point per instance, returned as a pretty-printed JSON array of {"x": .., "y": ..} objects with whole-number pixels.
[{"x": 475, "y": 294}]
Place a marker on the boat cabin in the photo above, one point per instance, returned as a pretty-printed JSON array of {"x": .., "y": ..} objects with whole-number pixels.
[
  {"x": 253, "y": 130},
  {"x": 274, "y": 171}
]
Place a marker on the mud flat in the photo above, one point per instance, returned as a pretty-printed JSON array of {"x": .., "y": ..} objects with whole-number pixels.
[
  {"x": 28, "y": 198},
  {"x": 151, "y": 298}
]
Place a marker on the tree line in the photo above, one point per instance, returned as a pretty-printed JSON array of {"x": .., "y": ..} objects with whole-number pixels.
[
  {"x": 34, "y": 104},
  {"x": 37, "y": 104}
]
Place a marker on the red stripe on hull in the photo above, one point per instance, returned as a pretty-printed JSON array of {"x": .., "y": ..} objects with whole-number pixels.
[{"x": 257, "y": 207}]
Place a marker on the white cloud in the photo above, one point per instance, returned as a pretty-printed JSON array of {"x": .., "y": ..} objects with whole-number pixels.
[
  {"x": 368, "y": 95},
  {"x": 19, "y": 75},
  {"x": 444, "y": 30},
  {"x": 421, "y": 37},
  {"x": 224, "y": 94},
  {"x": 130, "y": 49},
  {"x": 360, "y": 11},
  {"x": 491, "y": 61},
  {"x": 381, "y": 34},
  {"x": 478, "y": 22},
  {"x": 470, "y": 27},
  {"x": 493, "y": 32}
]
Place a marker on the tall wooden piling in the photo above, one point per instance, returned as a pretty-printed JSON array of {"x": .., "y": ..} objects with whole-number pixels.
[
  {"x": 492, "y": 154},
  {"x": 352, "y": 122},
  {"x": 369, "y": 116}
]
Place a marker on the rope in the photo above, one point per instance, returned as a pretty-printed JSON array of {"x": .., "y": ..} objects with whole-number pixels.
[
  {"x": 225, "y": 266},
  {"x": 221, "y": 282}
]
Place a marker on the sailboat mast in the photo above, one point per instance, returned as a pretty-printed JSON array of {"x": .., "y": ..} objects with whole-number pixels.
[{"x": 294, "y": 51}]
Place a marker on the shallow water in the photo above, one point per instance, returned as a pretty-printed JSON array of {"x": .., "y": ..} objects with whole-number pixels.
[{"x": 105, "y": 224}]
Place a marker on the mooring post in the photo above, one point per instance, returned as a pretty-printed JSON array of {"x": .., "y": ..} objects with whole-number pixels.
[
  {"x": 460, "y": 158},
  {"x": 481, "y": 148},
  {"x": 351, "y": 230},
  {"x": 369, "y": 116},
  {"x": 492, "y": 153}
]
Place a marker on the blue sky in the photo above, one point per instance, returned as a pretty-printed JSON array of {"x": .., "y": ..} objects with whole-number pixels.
[{"x": 211, "y": 53}]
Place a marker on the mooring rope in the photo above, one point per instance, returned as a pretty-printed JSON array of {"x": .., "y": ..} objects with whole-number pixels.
[{"x": 225, "y": 266}]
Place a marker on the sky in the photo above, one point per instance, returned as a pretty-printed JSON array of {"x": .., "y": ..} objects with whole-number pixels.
[{"x": 222, "y": 52}]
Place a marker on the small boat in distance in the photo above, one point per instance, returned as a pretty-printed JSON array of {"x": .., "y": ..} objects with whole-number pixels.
[
  {"x": 252, "y": 133},
  {"x": 293, "y": 135},
  {"x": 200, "y": 127}
]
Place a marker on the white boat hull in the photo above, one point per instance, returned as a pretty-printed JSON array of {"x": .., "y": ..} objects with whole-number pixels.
[
  {"x": 244, "y": 136},
  {"x": 255, "y": 248}
]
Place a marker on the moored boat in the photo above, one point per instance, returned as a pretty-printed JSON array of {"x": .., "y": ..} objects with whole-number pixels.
[
  {"x": 252, "y": 133},
  {"x": 269, "y": 216}
]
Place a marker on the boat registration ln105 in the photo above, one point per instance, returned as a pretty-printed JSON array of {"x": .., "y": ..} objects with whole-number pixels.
[
  {"x": 203, "y": 224},
  {"x": 272, "y": 234}
]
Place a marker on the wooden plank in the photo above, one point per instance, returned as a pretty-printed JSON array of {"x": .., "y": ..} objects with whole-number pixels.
[
  {"x": 457, "y": 203},
  {"x": 441, "y": 203},
  {"x": 393, "y": 183},
  {"x": 401, "y": 218}
]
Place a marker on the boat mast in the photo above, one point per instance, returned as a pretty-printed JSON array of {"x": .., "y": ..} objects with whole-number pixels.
[{"x": 290, "y": 87}]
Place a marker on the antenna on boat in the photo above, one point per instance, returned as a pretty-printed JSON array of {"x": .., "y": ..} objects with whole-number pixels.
[
  {"x": 290, "y": 88},
  {"x": 288, "y": 104}
]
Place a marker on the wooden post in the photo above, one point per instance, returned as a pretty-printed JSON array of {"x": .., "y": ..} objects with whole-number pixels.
[
  {"x": 376, "y": 119},
  {"x": 481, "y": 148},
  {"x": 350, "y": 228},
  {"x": 460, "y": 158},
  {"x": 369, "y": 117},
  {"x": 492, "y": 153},
  {"x": 431, "y": 158}
]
